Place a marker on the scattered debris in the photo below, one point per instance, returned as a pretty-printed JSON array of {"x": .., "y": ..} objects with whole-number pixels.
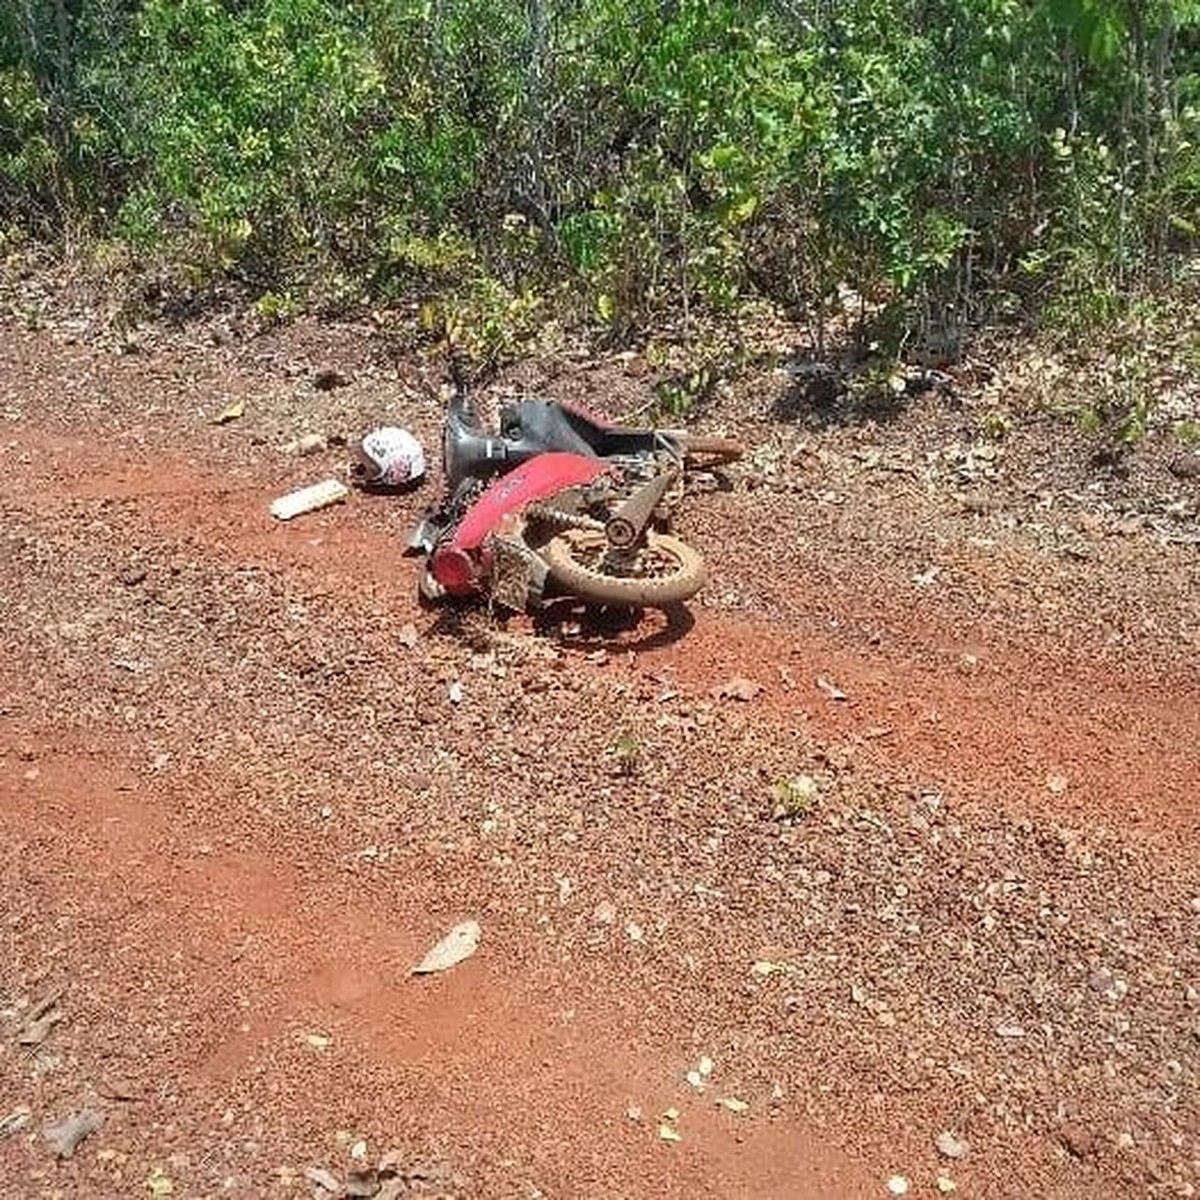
[
  {"x": 459, "y": 944},
  {"x": 231, "y": 412},
  {"x": 950, "y": 1146},
  {"x": 830, "y": 690},
  {"x": 66, "y": 1134},
  {"x": 309, "y": 499},
  {"x": 737, "y": 688}
]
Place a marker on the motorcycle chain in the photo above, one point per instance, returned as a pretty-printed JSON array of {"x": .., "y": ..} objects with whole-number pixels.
[{"x": 560, "y": 519}]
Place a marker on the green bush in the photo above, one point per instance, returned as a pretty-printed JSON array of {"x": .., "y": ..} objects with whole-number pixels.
[{"x": 631, "y": 160}]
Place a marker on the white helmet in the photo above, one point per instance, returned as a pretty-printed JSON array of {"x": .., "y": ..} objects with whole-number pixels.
[{"x": 388, "y": 457}]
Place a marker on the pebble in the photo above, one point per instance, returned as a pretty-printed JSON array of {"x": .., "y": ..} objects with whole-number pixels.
[{"x": 897, "y": 1185}]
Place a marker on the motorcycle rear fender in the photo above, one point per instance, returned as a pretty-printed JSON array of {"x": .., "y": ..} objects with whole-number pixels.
[{"x": 536, "y": 479}]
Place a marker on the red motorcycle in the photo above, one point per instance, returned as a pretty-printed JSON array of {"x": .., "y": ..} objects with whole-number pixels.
[{"x": 562, "y": 504}]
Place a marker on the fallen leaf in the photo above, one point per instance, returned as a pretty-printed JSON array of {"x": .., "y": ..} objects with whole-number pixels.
[
  {"x": 37, "y": 1029},
  {"x": 318, "y": 1041},
  {"x": 455, "y": 691},
  {"x": 1056, "y": 783},
  {"x": 459, "y": 944},
  {"x": 765, "y": 969},
  {"x": 408, "y": 636},
  {"x": 14, "y": 1122},
  {"x": 160, "y": 1184},
  {"x": 737, "y": 688},
  {"x": 897, "y": 1185},
  {"x": 732, "y": 1104},
  {"x": 66, "y": 1134},
  {"x": 696, "y": 1080},
  {"x": 669, "y": 1133},
  {"x": 231, "y": 412},
  {"x": 831, "y": 691}
]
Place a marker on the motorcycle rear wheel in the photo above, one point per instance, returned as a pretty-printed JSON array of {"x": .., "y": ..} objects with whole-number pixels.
[{"x": 664, "y": 572}]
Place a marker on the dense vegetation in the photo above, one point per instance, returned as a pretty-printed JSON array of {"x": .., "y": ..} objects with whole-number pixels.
[{"x": 948, "y": 160}]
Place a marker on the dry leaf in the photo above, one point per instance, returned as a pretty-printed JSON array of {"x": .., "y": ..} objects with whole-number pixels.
[
  {"x": 732, "y": 1104},
  {"x": 231, "y": 412},
  {"x": 831, "y": 691},
  {"x": 318, "y": 1041},
  {"x": 669, "y": 1133},
  {"x": 460, "y": 943}
]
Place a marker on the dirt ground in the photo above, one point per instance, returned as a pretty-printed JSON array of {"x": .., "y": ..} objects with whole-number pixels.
[{"x": 920, "y": 916}]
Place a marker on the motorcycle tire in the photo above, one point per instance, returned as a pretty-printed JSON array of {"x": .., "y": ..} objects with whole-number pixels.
[
  {"x": 575, "y": 560},
  {"x": 710, "y": 451}
]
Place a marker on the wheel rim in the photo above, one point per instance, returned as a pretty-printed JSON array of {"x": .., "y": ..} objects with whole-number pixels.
[{"x": 652, "y": 560}]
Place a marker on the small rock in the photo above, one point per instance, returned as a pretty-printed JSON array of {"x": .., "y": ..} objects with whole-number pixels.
[
  {"x": 1010, "y": 1029},
  {"x": 945, "y": 1185},
  {"x": 1185, "y": 466},
  {"x": 1078, "y": 1141},
  {"x": 897, "y": 1185},
  {"x": 605, "y": 913},
  {"x": 328, "y": 379},
  {"x": 310, "y": 443},
  {"x": 737, "y": 688},
  {"x": 323, "y": 1179},
  {"x": 66, "y": 1134},
  {"x": 950, "y": 1146},
  {"x": 132, "y": 576}
]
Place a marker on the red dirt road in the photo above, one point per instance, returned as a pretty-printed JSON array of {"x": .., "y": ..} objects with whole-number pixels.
[{"x": 237, "y": 805}]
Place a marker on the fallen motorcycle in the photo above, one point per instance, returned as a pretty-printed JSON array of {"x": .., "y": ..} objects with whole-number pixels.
[{"x": 562, "y": 504}]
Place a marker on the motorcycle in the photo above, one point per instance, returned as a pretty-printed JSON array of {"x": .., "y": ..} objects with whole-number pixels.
[{"x": 561, "y": 503}]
